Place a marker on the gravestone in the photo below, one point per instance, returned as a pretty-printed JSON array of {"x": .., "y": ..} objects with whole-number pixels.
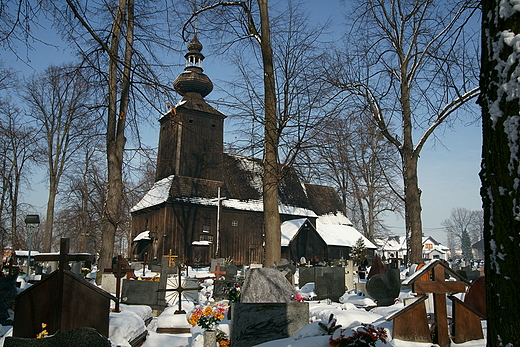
[
  {"x": 350, "y": 271},
  {"x": 136, "y": 292},
  {"x": 7, "y": 293},
  {"x": 377, "y": 268},
  {"x": 411, "y": 322},
  {"x": 329, "y": 282},
  {"x": 63, "y": 301},
  {"x": 79, "y": 337},
  {"x": 476, "y": 295},
  {"x": 231, "y": 271},
  {"x": 266, "y": 285},
  {"x": 437, "y": 271},
  {"x": 466, "y": 324},
  {"x": 266, "y": 311},
  {"x": 168, "y": 267},
  {"x": 384, "y": 288},
  {"x": 214, "y": 262}
]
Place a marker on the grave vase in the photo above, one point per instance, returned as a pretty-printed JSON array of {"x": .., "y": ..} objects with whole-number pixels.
[{"x": 210, "y": 338}]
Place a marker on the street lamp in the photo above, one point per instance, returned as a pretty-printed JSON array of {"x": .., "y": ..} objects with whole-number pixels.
[{"x": 31, "y": 220}]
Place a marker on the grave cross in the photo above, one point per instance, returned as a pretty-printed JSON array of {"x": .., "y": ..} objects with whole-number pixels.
[
  {"x": 179, "y": 289},
  {"x": 171, "y": 258},
  {"x": 218, "y": 272},
  {"x": 10, "y": 266},
  {"x": 118, "y": 271},
  {"x": 64, "y": 257},
  {"x": 439, "y": 287}
]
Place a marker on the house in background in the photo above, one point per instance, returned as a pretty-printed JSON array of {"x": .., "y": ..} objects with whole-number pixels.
[
  {"x": 396, "y": 247},
  {"x": 208, "y": 204},
  {"x": 330, "y": 238}
]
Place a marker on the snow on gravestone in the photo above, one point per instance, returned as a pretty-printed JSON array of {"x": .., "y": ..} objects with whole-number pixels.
[{"x": 266, "y": 302}]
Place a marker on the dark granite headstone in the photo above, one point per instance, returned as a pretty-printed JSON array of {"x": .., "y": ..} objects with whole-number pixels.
[
  {"x": 140, "y": 292},
  {"x": 231, "y": 272},
  {"x": 256, "y": 323},
  {"x": 329, "y": 282},
  {"x": 266, "y": 285},
  {"x": 384, "y": 288},
  {"x": 7, "y": 294},
  {"x": 79, "y": 337}
]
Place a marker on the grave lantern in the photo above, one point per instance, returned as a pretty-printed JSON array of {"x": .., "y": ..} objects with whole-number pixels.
[{"x": 31, "y": 220}]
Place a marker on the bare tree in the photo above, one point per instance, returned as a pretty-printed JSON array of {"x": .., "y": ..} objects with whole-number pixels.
[
  {"x": 500, "y": 174},
  {"x": 463, "y": 219},
  {"x": 411, "y": 73},
  {"x": 60, "y": 99},
  {"x": 352, "y": 155},
  {"x": 19, "y": 150}
]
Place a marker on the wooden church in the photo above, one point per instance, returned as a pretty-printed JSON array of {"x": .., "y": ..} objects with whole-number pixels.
[{"x": 207, "y": 204}]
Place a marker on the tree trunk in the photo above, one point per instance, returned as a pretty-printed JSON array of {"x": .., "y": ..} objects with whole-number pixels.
[
  {"x": 115, "y": 129},
  {"x": 272, "y": 231},
  {"x": 412, "y": 208},
  {"x": 49, "y": 217},
  {"x": 500, "y": 172}
]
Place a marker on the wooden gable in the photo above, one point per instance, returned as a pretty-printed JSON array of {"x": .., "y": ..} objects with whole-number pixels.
[{"x": 63, "y": 301}]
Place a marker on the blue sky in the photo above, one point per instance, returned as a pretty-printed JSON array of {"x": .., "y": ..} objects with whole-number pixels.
[{"x": 448, "y": 173}]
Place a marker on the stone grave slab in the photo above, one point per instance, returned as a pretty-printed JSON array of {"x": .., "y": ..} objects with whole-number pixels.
[
  {"x": 350, "y": 271},
  {"x": 214, "y": 262},
  {"x": 384, "y": 288},
  {"x": 255, "y": 323},
  {"x": 231, "y": 271},
  {"x": 136, "y": 292},
  {"x": 108, "y": 283},
  {"x": 329, "y": 282},
  {"x": 476, "y": 295},
  {"x": 266, "y": 285},
  {"x": 79, "y": 337}
]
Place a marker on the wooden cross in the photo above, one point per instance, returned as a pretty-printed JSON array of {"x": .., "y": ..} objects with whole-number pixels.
[
  {"x": 118, "y": 271},
  {"x": 218, "y": 272},
  {"x": 180, "y": 289},
  {"x": 171, "y": 259},
  {"x": 439, "y": 287}
]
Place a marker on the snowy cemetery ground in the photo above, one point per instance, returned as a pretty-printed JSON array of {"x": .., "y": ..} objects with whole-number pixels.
[{"x": 351, "y": 312}]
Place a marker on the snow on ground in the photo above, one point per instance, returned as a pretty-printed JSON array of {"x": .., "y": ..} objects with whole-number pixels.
[{"x": 350, "y": 313}]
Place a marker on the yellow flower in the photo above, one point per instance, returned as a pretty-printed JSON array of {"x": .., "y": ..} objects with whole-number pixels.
[
  {"x": 207, "y": 311},
  {"x": 44, "y": 325}
]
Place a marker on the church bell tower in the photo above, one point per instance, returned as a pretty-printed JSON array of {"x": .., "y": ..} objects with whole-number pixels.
[{"x": 192, "y": 133}]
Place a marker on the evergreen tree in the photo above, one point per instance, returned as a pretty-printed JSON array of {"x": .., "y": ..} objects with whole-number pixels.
[
  {"x": 358, "y": 254},
  {"x": 467, "y": 251}
]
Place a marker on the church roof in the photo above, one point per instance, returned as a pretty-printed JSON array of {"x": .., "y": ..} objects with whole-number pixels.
[{"x": 242, "y": 188}]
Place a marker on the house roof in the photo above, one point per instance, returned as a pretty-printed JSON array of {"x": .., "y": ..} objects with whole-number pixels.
[{"x": 333, "y": 234}]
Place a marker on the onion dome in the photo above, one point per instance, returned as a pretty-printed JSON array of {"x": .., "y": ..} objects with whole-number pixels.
[{"x": 193, "y": 80}]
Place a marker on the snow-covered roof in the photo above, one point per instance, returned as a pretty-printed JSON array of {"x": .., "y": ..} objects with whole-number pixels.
[
  {"x": 290, "y": 228},
  {"x": 341, "y": 235},
  {"x": 145, "y": 235},
  {"x": 158, "y": 194}
]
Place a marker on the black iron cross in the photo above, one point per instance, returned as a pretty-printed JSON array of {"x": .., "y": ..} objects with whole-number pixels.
[{"x": 118, "y": 271}]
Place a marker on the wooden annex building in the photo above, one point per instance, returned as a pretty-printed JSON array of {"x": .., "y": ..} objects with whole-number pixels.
[{"x": 206, "y": 203}]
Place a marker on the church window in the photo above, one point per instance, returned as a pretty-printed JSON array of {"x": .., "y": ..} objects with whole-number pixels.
[
  {"x": 213, "y": 125},
  {"x": 234, "y": 223},
  {"x": 206, "y": 237},
  {"x": 206, "y": 227},
  {"x": 190, "y": 121}
]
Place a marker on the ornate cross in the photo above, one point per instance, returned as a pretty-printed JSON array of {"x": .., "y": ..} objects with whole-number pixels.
[
  {"x": 171, "y": 259},
  {"x": 180, "y": 290}
]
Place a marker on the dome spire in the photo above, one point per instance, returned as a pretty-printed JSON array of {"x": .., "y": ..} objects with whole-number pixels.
[{"x": 193, "y": 79}]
